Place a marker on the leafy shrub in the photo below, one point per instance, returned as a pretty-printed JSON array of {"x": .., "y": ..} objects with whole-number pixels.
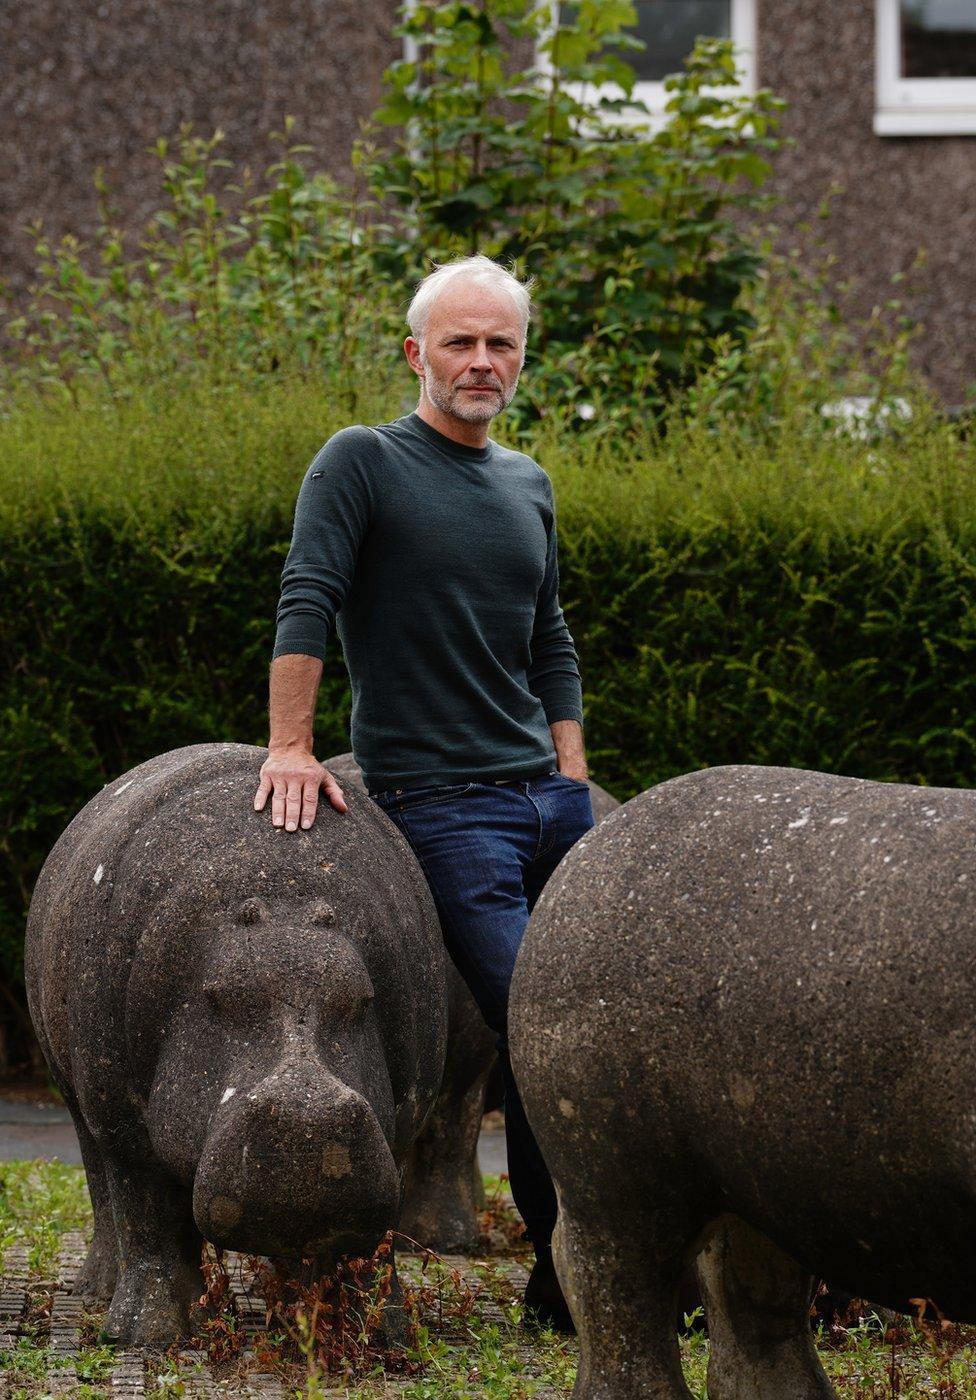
[{"x": 642, "y": 266}]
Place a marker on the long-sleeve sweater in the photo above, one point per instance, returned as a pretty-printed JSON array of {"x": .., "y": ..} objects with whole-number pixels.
[{"x": 437, "y": 564}]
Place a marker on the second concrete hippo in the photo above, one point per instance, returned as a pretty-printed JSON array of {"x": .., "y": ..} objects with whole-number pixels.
[
  {"x": 248, "y": 1026},
  {"x": 743, "y": 1022}
]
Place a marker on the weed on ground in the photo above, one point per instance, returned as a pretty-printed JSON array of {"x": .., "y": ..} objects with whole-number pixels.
[{"x": 270, "y": 1337}]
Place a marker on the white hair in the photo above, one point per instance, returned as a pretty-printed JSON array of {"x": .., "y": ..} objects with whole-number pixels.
[{"x": 483, "y": 271}]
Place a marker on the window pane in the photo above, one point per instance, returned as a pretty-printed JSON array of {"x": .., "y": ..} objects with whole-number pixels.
[
  {"x": 669, "y": 28},
  {"x": 938, "y": 38}
]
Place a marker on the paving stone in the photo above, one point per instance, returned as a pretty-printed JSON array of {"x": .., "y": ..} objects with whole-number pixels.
[
  {"x": 128, "y": 1379},
  {"x": 248, "y": 1302},
  {"x": 66, "y": 1309},
  {"x": 198, "y": 1382},
  {"x": 264, "y": 1385},
  {"x": 13, "y": 1294}
]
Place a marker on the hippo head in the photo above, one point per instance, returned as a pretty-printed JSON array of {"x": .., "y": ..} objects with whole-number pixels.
[{"x": 272, "y": 1092}]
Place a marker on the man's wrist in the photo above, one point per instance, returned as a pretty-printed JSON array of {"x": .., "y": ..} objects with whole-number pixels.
[{"x": 290, "y": 746}]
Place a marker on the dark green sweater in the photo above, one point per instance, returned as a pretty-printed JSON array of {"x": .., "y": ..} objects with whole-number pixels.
[{"x": 437, "y": 563}]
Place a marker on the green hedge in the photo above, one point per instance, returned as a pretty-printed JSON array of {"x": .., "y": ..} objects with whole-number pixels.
[{"x": 791, "y": 599}]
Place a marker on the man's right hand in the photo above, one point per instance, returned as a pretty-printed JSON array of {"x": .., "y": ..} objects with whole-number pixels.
[{"x": 294, "y": 777}]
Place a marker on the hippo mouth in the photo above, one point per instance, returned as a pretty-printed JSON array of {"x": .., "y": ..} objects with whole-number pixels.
[{"x": 310, "y": 1179}]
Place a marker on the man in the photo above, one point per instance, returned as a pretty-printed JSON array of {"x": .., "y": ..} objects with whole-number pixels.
[{"x": 434, "y": 552}]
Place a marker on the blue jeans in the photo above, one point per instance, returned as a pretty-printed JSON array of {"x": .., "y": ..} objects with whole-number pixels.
[{"x": 487, "y": 850}]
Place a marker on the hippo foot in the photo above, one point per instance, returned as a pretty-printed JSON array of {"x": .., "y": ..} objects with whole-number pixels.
[
  {"x": 758, "y": 1304},
  {"x": 98, "y": 1276},
  {"x": 442, "y": 1218},
  {"x": 622, "y": 1295},
  {"x": 155, "y": 1303}
]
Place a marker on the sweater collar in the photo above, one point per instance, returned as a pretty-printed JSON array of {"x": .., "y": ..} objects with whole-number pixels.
[{"x": 446, "y": 444}]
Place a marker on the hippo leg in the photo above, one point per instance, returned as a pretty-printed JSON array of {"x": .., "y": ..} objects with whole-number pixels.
[
  {"x": 622, "y": 1290},
  {"x": 98, "y": 1275},
  {"x": 160, "y": 1280},
  {"x": 394, "y": 1329},
  {"x": 441, "y": 1195},
  {"x": 757, "y": 1300}
]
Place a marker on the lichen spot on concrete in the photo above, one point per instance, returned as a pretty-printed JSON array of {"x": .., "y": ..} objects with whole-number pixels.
[
  {"x": 743, "y": 1091},
  {"x": 97, "y": 877},
  {"x": 228, "y": 1094},
  {"x": 800, "y": 821},
  {"x": 336, "y": 1161},
  {"x": 567, "y": 1109}
]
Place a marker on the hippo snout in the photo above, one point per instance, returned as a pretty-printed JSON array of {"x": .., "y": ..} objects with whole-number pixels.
[{"x": 296, "y": 1160}]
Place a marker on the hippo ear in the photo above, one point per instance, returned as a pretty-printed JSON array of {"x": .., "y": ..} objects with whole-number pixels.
[
  {"x": 253, "y": 911},
  {"x": 323, "y": 913}
]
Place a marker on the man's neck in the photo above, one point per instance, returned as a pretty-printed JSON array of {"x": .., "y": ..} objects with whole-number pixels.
[{"x": 468, "y": 434}]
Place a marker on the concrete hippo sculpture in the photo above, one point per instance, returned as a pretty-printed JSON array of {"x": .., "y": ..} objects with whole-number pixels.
[
  {"x": 248, "y": 1026},
  {"x": 443, "y": 1188},
  {"x": 743, "y": 1022}
]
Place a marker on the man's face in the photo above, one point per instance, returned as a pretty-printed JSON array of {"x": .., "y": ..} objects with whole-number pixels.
[{"x": 472, "y": 352}]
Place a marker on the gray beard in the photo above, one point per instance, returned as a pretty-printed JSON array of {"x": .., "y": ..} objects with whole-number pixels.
[{"x": 452, "y": 401}]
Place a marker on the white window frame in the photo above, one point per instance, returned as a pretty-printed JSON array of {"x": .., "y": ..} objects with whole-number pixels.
[
  {"x": 915, "y": 106},
  {"x": 743, "y": 27}
]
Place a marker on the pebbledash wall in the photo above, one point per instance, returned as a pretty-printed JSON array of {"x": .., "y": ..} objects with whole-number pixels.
[
  {"x": 95, "y": 82},
  {"x": 897, "y": 193}
]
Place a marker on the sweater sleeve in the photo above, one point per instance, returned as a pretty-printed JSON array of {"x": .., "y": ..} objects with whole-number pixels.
[
  {"x": 331, "y": 519},
  {"x": 554, "y": 672}
]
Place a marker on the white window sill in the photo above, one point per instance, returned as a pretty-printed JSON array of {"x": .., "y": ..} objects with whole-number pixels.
[{"x": 892, "y": 121}]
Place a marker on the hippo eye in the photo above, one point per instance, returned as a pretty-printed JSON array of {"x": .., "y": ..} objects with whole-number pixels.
[
  {"x": 252, "y": 911},
  {"x": 228, "y": 1001}
]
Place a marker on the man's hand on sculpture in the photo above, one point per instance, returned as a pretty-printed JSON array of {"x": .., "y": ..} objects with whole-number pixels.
[{"x": 294, "y": 778}]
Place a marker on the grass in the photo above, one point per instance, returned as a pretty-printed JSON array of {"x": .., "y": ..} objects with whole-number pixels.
[{"x": 467, "y": 1337}]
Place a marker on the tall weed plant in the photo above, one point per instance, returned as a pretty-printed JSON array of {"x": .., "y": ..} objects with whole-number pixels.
[{"x": 234, "y": 279}]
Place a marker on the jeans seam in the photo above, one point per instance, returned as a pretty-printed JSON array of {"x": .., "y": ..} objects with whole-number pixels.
[
  {"x": 457, "y": 790},
  {"x": 458, "y": 941}
]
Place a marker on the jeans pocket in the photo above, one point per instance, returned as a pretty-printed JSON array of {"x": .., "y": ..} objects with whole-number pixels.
[
  {"x": 580, "y": 782},
  {"x": 411, "y": 798}
]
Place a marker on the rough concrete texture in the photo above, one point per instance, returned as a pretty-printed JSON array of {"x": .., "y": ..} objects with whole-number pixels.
[
  {"x": 895, "y": 194},
  {"x": 443, "y": 1189},
  {"x": 248, "y": 1026},
  {"x": 742, "y": 1018}
]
